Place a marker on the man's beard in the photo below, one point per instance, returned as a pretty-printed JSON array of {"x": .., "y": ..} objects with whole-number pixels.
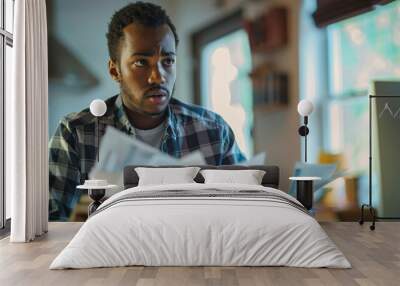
[{"x": 125, "y": 90}]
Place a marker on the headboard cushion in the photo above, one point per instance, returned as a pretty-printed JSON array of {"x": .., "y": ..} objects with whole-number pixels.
[{"x": 270, "y": 179}]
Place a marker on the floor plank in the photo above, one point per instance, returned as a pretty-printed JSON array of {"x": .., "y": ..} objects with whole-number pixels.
[{"x": 374, "y": 255}]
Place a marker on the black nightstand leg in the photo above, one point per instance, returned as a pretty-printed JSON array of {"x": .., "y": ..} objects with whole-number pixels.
[
  {"x": 305, "y": 193},
  {"x": 96, "y": 196},
  {"x": 93, "y": 207}
]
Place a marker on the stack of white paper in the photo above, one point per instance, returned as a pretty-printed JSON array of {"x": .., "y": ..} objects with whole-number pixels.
[{"x": 118, "y": 150}]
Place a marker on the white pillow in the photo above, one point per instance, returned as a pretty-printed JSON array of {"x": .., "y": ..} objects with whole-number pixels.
[
  {"x": 163, "y": 176},
  {"x": 248, "y": 177}
]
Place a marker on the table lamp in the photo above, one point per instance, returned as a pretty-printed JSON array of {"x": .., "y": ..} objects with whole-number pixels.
[
  {"x": 305, "y": 108},
  {"x": 98, "y": 108}
]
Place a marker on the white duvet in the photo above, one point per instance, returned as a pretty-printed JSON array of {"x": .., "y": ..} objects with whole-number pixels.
[{"x": 200, "y": 231}]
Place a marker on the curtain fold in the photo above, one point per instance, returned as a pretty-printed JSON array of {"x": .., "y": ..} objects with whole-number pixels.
[{"x": 27, "y": 133}]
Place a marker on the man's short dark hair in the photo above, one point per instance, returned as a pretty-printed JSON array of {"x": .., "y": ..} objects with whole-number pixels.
[{"x": 146, "y": 14}]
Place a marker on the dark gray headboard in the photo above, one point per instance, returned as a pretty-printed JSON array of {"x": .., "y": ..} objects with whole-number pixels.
[{"x": 270, "y": 179}]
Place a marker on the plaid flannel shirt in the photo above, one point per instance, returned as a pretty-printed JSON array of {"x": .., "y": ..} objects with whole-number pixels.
[{"x": 73, "y": 147}]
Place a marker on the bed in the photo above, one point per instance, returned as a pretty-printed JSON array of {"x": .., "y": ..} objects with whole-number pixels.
[{"x": 201, "y": 224}]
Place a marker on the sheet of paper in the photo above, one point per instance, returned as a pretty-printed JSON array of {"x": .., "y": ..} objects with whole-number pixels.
[
  {"x": 118, "y": 150},
  {"x": 258, "y": 159}
]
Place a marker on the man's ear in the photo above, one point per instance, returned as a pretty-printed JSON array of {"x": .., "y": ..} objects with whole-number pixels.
[{"x": 114, "y": 71}]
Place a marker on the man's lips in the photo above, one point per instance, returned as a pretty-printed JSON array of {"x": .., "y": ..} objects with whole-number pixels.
[
  {"x": 156, "y": 96},
  {"x": 156, "y": 93}
]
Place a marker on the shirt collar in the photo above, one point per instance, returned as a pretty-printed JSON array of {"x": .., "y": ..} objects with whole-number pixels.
[
  {"x": 171, "y": 123},
  {"x": 121, "y": 116},
  {"x": 122, "y": 119}
]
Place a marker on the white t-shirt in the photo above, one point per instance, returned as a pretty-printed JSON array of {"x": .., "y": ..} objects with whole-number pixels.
[{"x": 151, "y": 136}]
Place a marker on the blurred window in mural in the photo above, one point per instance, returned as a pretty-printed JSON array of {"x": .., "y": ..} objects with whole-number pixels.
[
  {"x": 361, "y": 50},
  {"x": 364, "y": 48},
  {"x": 226, "y": 86}
]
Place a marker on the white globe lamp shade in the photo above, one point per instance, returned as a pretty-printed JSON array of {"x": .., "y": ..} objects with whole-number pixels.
[
  {"x": 305, "y": 107},
  {"x": 98, "y": 107}
]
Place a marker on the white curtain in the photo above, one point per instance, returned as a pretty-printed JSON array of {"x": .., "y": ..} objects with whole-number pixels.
[{"x": 26, "y": 119}]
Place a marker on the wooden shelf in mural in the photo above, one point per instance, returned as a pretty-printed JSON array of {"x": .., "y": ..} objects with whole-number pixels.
[
  {"x": 268, "y": 32},
  {"x": 270, "y": 87}
]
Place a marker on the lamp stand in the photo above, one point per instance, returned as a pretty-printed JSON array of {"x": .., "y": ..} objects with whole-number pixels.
[
  {"x": 97, "y": 108},
  {"x": 97, "y": 137},
  {"x": 303, "y": 131},
  {"x": 305, "y": 148}
]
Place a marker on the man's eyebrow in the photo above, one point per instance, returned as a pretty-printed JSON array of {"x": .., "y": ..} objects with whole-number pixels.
[
  {"x": 149, "y": 54},
  {"x": 168, "y": 54}
]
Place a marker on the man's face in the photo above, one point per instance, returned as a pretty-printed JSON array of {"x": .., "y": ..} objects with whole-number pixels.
[{"x": 146, "y": 70}]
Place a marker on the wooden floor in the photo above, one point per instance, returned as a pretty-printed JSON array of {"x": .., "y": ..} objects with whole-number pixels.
[{"x": 375, "y": 257}]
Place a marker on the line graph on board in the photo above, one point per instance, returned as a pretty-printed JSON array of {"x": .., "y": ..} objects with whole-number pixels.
[{"x": 387, "y": 110}]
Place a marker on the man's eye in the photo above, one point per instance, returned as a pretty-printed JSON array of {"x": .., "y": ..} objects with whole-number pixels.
[
  {"x": 169, "y": 61},
  {"x": 139, "y": 63}
]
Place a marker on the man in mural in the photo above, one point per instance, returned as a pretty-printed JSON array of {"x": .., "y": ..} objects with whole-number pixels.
[{"x": 142, "y": 44}]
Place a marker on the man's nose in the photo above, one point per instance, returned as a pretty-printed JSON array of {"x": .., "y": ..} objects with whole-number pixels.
[{"x": 156, "y": 76}]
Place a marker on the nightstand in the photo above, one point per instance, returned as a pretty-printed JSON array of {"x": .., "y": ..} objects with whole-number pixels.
[
  {"x": 304, "y": 190},
  {"x": 96, "y": 191}
]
